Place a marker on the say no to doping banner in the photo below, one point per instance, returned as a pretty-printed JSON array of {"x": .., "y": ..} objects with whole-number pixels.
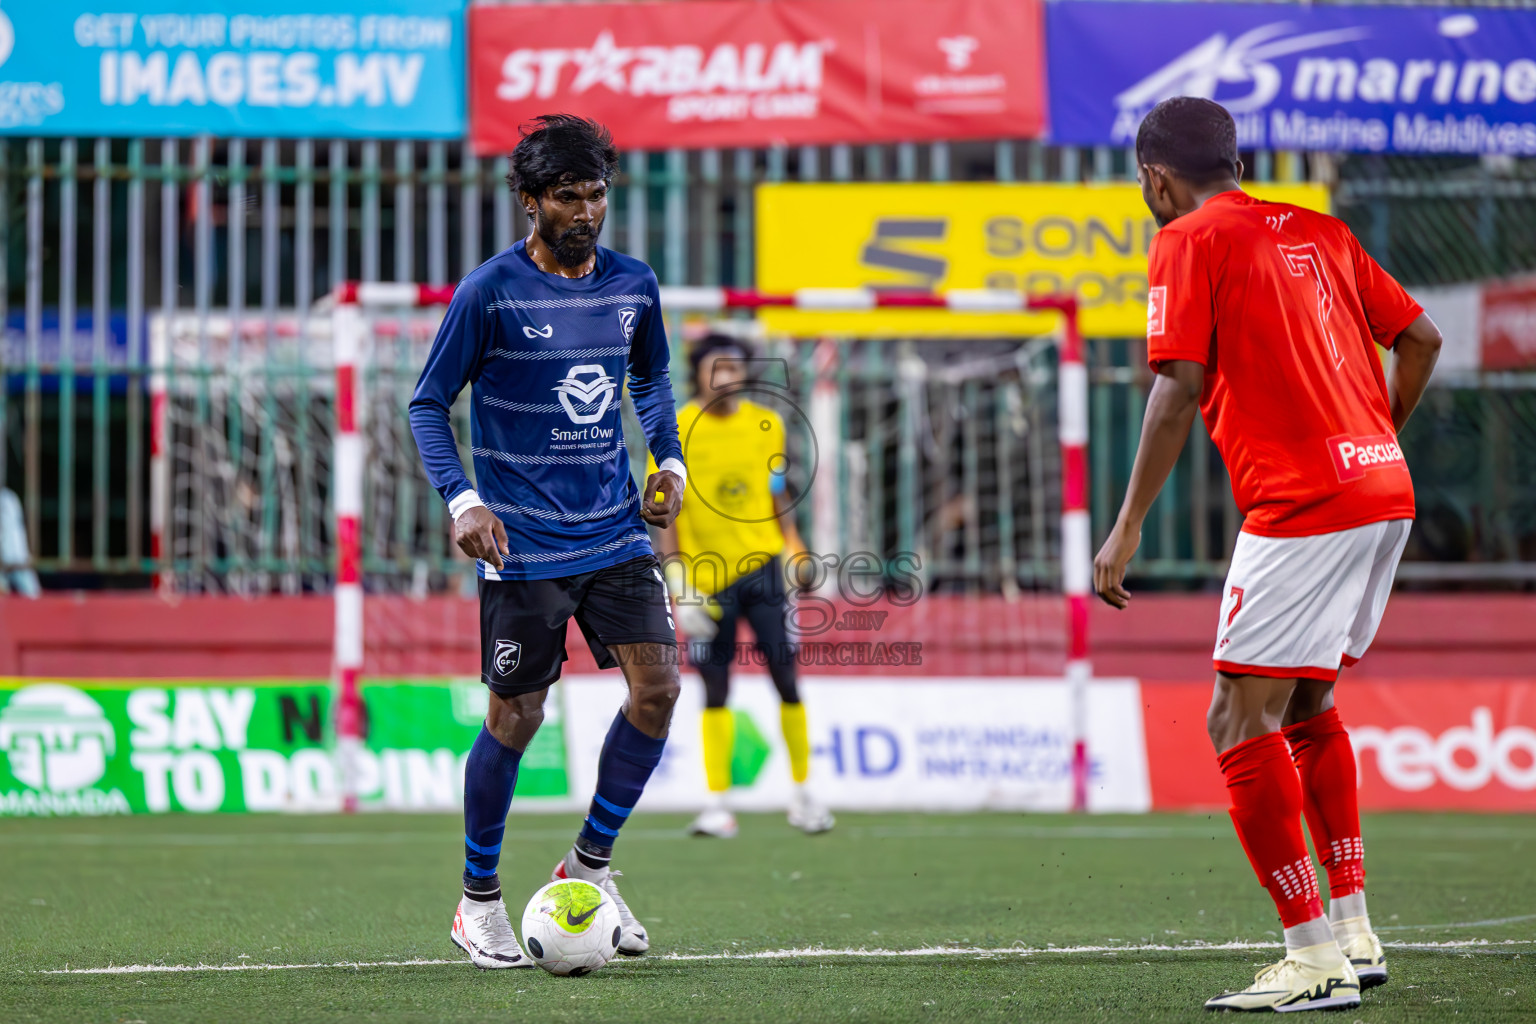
[
  {"x": 275, "y": 68},
  {"x": 728, "y": 73},
  {"x": 1350, "y": 77},
  {"x": 1090, "y": 240},
  {"x": 91, "y": 747}
]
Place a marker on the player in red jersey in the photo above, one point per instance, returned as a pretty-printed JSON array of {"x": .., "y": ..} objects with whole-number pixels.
[{"x": 1266, "y": 317}]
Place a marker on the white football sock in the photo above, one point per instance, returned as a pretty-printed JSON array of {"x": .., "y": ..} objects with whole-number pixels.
[
  {"x": 1342, "y": 908},
  {"x": 1310, "y": 933}
]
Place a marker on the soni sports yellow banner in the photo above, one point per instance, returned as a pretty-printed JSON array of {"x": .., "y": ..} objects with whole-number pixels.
[{"x": 1090, "y": 238}]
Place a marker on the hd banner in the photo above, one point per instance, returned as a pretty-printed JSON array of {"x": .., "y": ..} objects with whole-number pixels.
[
  {"x": 731, "y": 73},
  {"x": 294, "y": 68},
  {"x": 1320, "y": 77},
  {"x": 1088, "y": 239}
]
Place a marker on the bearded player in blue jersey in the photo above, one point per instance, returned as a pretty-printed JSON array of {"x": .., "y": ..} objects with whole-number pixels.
[{"x": 542, "y": 334}]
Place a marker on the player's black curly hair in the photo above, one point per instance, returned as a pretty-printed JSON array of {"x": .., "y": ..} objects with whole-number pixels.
[
  {"x": 557, "y": 149},
  {"x": 1193, "y": 137},
  {"x": 710, "y": 344}
]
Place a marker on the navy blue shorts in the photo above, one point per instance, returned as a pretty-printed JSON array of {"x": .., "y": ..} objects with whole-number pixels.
[{"x": 523, "y": 622}]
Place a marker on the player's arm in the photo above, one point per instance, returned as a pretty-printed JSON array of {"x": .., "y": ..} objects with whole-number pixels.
[
  {"x": 453, "y": 363},
  {"x": 650, "y": 387},
  {"x": 1171, "y": 409},
  {"x": 1413, "y": 360},
  {"x": 1181, "y": 321},
  {"x": 1399, "y": 323}
]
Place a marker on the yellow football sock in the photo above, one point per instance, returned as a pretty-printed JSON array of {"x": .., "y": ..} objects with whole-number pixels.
[
  {"x": 719, "y": 744},
  {"x": 796, "y": 738}
]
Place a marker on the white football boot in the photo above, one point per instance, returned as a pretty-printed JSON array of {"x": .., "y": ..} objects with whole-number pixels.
[
  {"x": 481, "y": 929},
  {"x": 634, "y": 941},
  {"x": 717, "y": 821},
  {"x": 1363, "y": 949},
  {"x": 1311, "y": 978},
  {"x": 808, "y": 815}
]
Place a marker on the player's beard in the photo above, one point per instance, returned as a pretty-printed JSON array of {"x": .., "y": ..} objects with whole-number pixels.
[{"x": 573, "y": 246}]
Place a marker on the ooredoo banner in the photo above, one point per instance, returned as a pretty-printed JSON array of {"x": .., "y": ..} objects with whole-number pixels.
[
  {"x": 1331, "y": 77},
  {"x": 733, "y": 73},
  {"x": 290, "y": 68},
  {"x": 1423, "y": 745}
]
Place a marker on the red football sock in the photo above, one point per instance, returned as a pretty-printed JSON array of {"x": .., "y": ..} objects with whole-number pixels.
[
  {"x": 1266, "y": 809},
  {"x": 1325, "y": 761}
]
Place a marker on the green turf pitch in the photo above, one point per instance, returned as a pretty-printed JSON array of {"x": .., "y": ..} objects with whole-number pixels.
[{"x": 244, "y": 891}]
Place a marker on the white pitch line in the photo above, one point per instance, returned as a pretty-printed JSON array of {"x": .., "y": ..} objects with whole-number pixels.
[
  {"x": 183, "y": 968},
  {"x": 810, "y": 952},
  {"x": 1458, "y": 924}
]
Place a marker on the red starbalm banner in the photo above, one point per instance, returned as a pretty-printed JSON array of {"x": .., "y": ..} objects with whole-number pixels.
[
  {"x": 753, "y": 73},
  {"x": 1509, "y": 324}
]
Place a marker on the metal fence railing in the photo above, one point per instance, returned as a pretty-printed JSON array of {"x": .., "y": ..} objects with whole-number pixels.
[{"x": 98, "y": 235}]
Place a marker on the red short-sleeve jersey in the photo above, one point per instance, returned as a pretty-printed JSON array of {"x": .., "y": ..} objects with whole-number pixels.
[{"x": 1284, "y": 309}]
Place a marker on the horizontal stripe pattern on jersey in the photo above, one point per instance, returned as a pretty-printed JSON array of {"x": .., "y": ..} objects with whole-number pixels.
[{"x": 547, "y": 358}]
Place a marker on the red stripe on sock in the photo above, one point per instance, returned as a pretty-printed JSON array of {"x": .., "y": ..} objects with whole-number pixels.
[
  {"x": 1266, "y": 810},
  {"x": 1325, "y": 763}
]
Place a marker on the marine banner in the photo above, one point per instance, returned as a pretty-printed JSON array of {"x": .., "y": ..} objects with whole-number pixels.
[
  {"x": 1088, "y": 239},
  {"x": 291, "y": 68},
  {"x": 1366, "y": 78},
  {"x": 726, "y": 73}
]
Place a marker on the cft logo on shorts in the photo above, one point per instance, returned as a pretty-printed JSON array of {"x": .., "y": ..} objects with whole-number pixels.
[
  {"x": 508, "y": 654},
  {"x": 1353, "y": 457}
]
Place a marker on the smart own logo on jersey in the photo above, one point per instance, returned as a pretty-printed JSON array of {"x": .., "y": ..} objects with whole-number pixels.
[
  {"x": 586, "y": 392},
  {"x": 56, "y": 738}
]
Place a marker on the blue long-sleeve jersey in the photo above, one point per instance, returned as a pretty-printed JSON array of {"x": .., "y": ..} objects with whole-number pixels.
[{"x": 544, "y": 355}]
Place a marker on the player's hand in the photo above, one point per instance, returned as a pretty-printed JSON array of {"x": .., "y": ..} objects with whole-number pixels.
[
  {"x": 1109, "y": 566},
  {"x": 695, "y": 621},
  {"x": 661, "y": 513},
  {"x": 479, "y": 534}
]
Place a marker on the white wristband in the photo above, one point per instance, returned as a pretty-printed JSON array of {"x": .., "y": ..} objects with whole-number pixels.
[
  {"x": 463, "y": 502},
  {"x": 675, "y": 466}
]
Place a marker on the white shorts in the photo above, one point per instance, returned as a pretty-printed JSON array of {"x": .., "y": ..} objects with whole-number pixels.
[{"x": 1298, "y": 606}]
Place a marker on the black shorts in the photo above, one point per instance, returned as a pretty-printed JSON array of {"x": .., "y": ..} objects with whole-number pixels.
[{"x": 522, "y": 622}]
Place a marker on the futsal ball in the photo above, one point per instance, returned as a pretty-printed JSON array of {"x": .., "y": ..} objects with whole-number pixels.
[{"x": 571, "y": 928}]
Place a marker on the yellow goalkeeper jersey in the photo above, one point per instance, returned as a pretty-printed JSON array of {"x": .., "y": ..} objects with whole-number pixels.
[{"x": 736, "y": 464}]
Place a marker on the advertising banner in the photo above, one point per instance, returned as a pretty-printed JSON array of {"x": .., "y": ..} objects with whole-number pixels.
[
  {"x": 1089, "y": 239},
  {"x": 295, "y": 68},
  {"x": 91, "y": 747},
  {"x": 1509, "y": 324},
  {"x": 727, "y": 73},
  {"x": 1369, "y": 79},
  {"x": 1420, "y": 745},
  {"x": 929, "y": 744}
]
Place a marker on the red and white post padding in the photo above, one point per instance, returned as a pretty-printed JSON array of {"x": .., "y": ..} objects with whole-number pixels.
[
  {"x": 347, "y": 473},
  {"x": 1076, "y": 537}
]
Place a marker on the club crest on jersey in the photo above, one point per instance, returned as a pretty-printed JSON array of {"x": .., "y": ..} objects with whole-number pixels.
[
  {"x": 508, "y": 653},
  {"x": 627, "y": 317},
  {"x": 586, "y": 392},
  {"x": 1157, "y": 309}
]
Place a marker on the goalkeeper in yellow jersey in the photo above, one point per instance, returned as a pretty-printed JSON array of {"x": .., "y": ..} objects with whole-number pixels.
[{"x": 725, "y": 558}]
